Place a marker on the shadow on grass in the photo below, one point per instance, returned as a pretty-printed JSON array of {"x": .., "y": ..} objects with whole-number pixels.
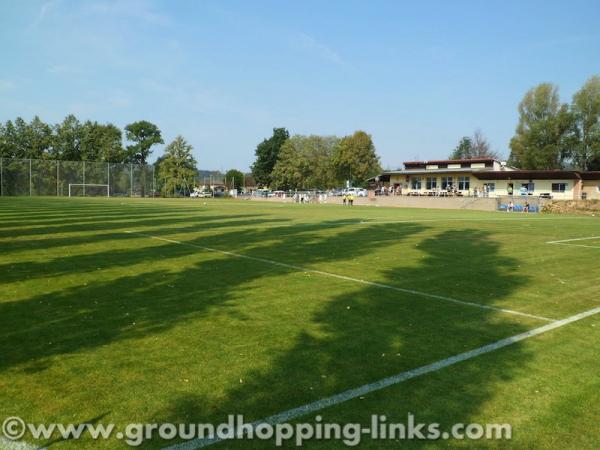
[
  {"x": 129, "y": 307},
  {"x": 363, "y": 335},
  {"x": 373, "y": 333}
]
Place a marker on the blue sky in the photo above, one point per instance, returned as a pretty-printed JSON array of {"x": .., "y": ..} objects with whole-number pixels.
[{"x": 416, "y": 75}]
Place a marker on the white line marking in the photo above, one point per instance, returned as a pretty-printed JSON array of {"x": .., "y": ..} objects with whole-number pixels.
[
  {"x": 567, "y": 242},
  {"x": 346, "y": 278},
  {"x": 571, "y": 240},
  {"x": 318, "y": 405},
  {"x": 465, "y": 219},
  {"x": 439, "y": 220},
  {"x": 575, "y": 245}
]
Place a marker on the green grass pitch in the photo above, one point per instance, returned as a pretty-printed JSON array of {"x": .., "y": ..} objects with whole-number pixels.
[{"x": 100, "y": 324}]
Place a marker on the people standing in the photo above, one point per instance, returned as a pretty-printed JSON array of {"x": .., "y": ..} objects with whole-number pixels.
[{"x": 344, "y": 199}]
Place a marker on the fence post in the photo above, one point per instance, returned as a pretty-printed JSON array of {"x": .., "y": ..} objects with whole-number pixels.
[
  {"x": 108, "y": 179},
  {"x": 30, "y": 177},
  {"x": 83, "y": 179},
  {"x": 153, "y": 182},
  {"x": 1, "y": 180},
  {"x": 57, "y": 177},
  {"x": 130, "y": 179}
]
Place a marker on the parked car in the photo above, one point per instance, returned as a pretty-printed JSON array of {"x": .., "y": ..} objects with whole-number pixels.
[
  {"x": 199, "y": 194},
  {"x": 264, "y": 193},
  {"x": 357, "y": 192}
]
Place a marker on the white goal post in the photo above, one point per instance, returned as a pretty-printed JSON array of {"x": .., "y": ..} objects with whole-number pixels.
[{"x": 84, "y": 185}]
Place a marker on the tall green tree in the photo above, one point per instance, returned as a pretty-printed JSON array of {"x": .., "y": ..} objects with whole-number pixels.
[
  {"x": 177, "y": 168},
  {"x": 67, "y": 140},
  {"x": 267, "y": 154},
  {"x": 476, "y": 146},
  {"x": 586, "y": 113},
  {"x": 545, "y": 132},
  {"x": 306, "y": 162},
  {"x": 40, "y": 139},
  {"x": 8, "y": 141},
  {"x": 355, "y": 158},
  {"x": 4, "y": 148},
  {"x": 463, "y": 149},
  {"x": 235, "y": 179},
  {"x": 144, "y": 135},
  {"x": 21, "y": 138},
  {"x": 101, "y": 143}
]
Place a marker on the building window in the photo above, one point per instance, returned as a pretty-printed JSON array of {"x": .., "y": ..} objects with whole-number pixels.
[
  {"x": 490, "y": 187},
  {"x": 431, "y": 183},
  {"x": 446, "y": 183},
  {"x": 527, "y": 188},
  {"x": 416, "y": 183},
  {"x": 559, "y": 187},
  {"x": 598, "y": 188},
  {"x": 464, "y": 183}
]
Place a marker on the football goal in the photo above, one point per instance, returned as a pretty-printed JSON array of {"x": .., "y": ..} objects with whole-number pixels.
[{"x": 89, "y": 190}]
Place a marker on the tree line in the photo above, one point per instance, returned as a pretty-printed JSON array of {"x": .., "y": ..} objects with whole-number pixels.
[
  {"x": 550, "y": 134},
  {"x": 73, "y": 140},
  {"x": 309, "y": 162},
  {"x": 555, "y": 135}
]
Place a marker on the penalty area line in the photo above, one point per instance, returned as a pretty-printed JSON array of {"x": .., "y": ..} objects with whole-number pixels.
[
  {"x": 347, "y": 278},
  {"x": 350, "y": 394},
  {"x": 566, "y": 241}
]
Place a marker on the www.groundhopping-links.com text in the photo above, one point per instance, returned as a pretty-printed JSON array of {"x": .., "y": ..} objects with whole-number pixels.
[{"x": 351, "y": 434}]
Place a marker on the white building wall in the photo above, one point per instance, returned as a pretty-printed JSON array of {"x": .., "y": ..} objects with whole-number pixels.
[{"x": 540, "y": 187}]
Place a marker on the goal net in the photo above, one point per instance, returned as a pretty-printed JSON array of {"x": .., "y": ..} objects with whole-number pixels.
[{"x": 89, "y": 190}]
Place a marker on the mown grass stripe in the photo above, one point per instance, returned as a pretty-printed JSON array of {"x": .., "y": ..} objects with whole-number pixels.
[{"x": 347, "y": 278}]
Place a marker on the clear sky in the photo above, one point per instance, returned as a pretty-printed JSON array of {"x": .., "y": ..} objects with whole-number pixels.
[{"x": 416, "y": 75}]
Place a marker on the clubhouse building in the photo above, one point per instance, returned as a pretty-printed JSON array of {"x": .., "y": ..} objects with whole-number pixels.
[{"x": 485, "y": 177}]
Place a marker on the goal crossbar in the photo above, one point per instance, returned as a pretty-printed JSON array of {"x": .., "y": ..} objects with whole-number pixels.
[{"x": 84, "y": 185}]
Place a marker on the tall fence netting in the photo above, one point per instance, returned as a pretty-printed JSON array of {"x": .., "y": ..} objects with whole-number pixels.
[{"x": 75, "y": 178}]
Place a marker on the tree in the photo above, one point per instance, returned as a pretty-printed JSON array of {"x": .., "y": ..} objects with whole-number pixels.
[
  {"x": 20, "y": 139},
  {"x": 586, "y": 114},
  {"x": 67, "y": 140},
  {"x": 4, "y": 145},
  {"x": 178, "y": 167},
  {"x": 101, "y": 143},
  {"x": 481, "y": 147},
  {"x": 306, "y": 162},
  {"x": 355, "y": 158},
  {"x": 144, "y": 135},
  {"x": 235, "y": 179},
  {"x": 476, "y": 146},
  {"x": 545, "y": 132},
  {"x": 39, "y": 139},
  {"x": 25, "y": 140},
  {"x": 463, "y": 149},
  {"x": 267, "y": 153}
]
